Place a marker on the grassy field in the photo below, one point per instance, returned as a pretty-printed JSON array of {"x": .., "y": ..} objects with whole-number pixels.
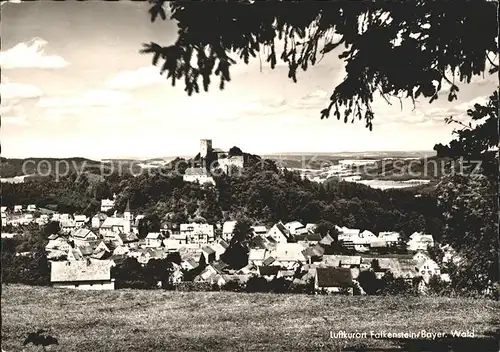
[{"x": 136, "y": 320}]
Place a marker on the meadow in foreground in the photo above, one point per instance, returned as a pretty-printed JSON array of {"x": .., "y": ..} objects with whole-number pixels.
[{"x": 140, "y": 320}]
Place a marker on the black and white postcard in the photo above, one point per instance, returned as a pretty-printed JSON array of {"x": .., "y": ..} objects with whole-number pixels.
[{"x": 249, "y": 175}]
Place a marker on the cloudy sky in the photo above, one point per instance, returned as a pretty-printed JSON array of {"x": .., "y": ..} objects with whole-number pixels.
[{"x": 74, "y": 84}]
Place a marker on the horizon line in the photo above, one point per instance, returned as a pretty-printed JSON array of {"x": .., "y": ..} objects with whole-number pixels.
[{"x": 130, "y": 157}]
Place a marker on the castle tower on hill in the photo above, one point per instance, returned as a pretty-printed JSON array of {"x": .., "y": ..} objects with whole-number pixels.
[{"x": 205, "y": 147}]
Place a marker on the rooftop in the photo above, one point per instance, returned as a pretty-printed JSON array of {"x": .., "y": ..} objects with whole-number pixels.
[
  {"x": 76, "y": 271},
  {"x": 334, "y": 277},
  {"x": 196, "y": 171}
]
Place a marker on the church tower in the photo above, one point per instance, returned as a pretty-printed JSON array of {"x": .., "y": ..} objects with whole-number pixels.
[
  {"x": 127, "y": 218},
  {"x": 205, "y": 147}
]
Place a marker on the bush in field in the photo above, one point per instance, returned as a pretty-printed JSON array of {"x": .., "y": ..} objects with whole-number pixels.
[
  {"x": 369, "y": 282},
  {"x": 307, "y": 288},
  {"x": 257, "y": 284},
  {"x": 391, "y": 285},
  {"x": 233, "y": 286},
  {"x": 279, "y": 285},
  {"x": 436, "y": 286},
  {"x": 130, "y": 274}
]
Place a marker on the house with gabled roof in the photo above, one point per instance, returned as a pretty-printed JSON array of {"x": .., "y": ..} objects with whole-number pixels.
[
  {"x": 67, "y": 225},
  {"x": 219, "y": 248},
  {"x": 82, "y": 236},
  {"x": 390, "y": 237},
  {"x": 107, "y": 204},
  {"x": 259, "y": 230},
  {"x": 199, "y": 175},
  {"x": 364, "y": 238},
  {"x": 307, "y": 238},
  {"x": 97, "y": 220},
  {"x": 347, "y": 234},
  {"x": 220, "y": 266},
  {"x": 198, "y": 233},
  {"x": 56, "y": 255},
  {"x": 115, "y": 224},
  {"x": 326, "y": 241},
  {"x": 102, "y": 246},
  {"x": 127, "y": 239},
  {"x": 80, "y": 220},
  {"x": 420, "y": 241},
  {"x": 58, "y": 244},
  {"x": 293, "y": 226},
  {"x": 146, "y": 254},
  {"x": 87, "y": 274},
  {"x": 256, "y": 256},
  {"x": 280, "y": 234},
  {"x": 313, "y": 253},
  {"x": 121, "y": 250},
  {"x": 344, "y": 261},
  {"x": 207, "y": 275},
  {"x": 208, "y": 253},
  {"x": 101, "y": 255},
  {"x": 75, "y": 254},
  {"x": 288, "y": 255},
  {"x": 88, "y": 248},
  {"x": 260, "y": 242},
  {"x": 334, "y": 280},
  {"x": 427, "y": 269},
  {"x": 190, "y": 263},
  {"x": 173, "y": 245}
]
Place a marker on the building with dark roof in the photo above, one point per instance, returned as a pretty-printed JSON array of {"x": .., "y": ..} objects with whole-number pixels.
[{"x": 334, "y": 280}]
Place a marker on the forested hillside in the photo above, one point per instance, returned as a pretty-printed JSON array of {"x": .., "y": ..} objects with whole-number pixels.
[{"x": 261, "y": 193}]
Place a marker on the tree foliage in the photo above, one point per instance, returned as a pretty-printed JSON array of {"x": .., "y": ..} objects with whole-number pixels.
[
  {"x": 393, "y": 48},
  {"x": 24, "y": 260},
  {"x": 470, "y": 206},
  {"x": 475, "y": 139},
  {"x": 468, "y": 199},
  {"x": 132, "y": 274}
]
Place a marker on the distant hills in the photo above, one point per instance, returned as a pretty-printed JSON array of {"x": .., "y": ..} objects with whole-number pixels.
[
  {"x": 358, "y": 155},
  {"x": 37, "y": 167},
  {"x": 11, "y": 167}
]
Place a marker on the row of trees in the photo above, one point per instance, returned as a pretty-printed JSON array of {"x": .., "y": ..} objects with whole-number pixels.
[
  {"x": 24, "y": 259},
  {"x": 132, "y": 274}
]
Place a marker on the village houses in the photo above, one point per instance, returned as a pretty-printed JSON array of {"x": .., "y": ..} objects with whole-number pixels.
[
  {"x": 280, "y": 252},
  {"x": 198, "y": 233},
  {"x": 154, "y": 239}
]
